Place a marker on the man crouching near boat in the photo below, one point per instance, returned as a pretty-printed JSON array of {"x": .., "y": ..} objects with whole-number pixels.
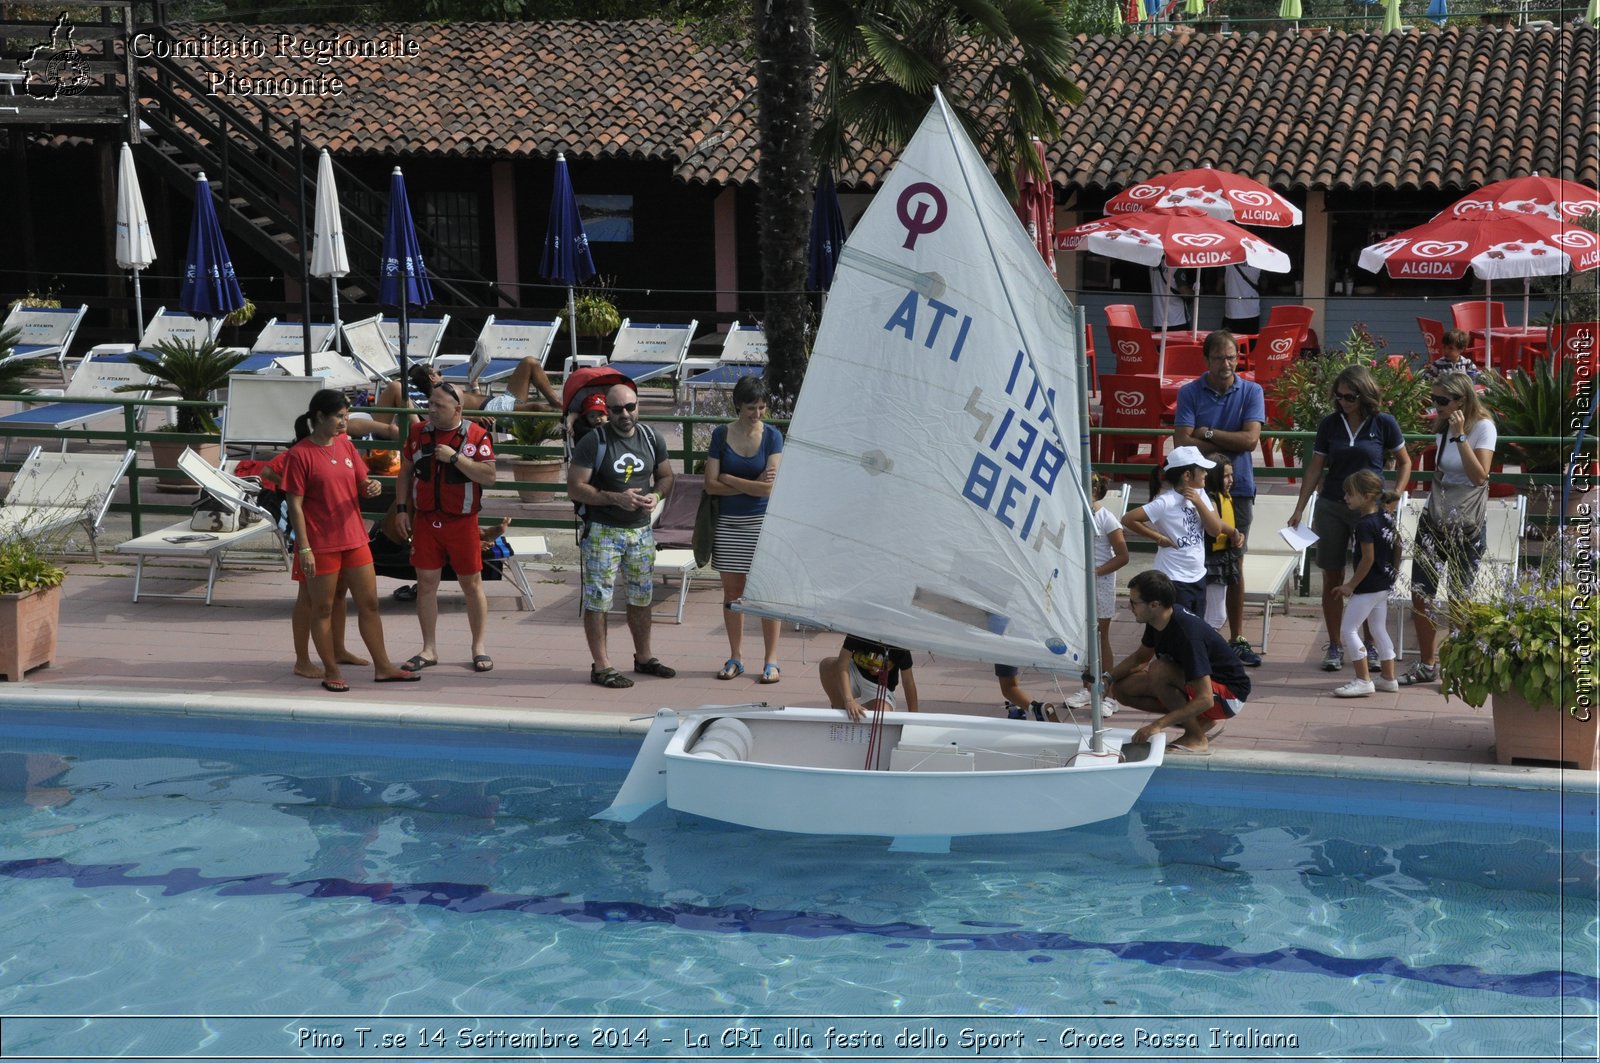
[
  {"x": 864, "y": 676},
  {"x": 1183, "y": 669}
]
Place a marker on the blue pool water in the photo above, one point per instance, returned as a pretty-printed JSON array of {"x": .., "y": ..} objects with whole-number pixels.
[{"x": 241, "y": 872}]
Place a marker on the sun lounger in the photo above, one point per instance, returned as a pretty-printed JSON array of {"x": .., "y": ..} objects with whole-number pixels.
[
  {"x": 744, "y": 353},
  {"x": 164, "y": 325},
  {"x": 646, "y": 352},
  {"x": 331, "y": 367},
  {"x": 179, "y": 541},
  {"x": 261, "y": 410},
  {"x": 524, "y": 550},
  {"x": 54, "y": 492},
  {"x": 501, "y": 346},
  {"x": 43, "y": 332},
  {"x": 280, "y": 339},
  {"x": 370, "y": 348},
  {"x": 423, "y": 336},
  {"x": 1270, "y": 563},
  {"x": 77, "y": 405}
]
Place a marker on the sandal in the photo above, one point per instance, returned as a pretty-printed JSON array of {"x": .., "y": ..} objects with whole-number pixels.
[
  {"x": 609, "y": 677},
  {"x": 1420, "y": 673},
  {"x": 771, "y": 674},
  {"x": 417, "y": 664},
  {"x": 733, "y": 669},
  {"x": 482, "y": 663},
  {"x": 654, "y": 667}
]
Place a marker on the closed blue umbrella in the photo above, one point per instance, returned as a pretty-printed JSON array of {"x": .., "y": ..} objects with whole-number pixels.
[
  {"x": 566, "y": 246},
  {"x": 403, "y": 279},
  {"x": 827, "y": 234},
  {"x": 1439, "y": 11},
  {"x": 210, "y": 288}
]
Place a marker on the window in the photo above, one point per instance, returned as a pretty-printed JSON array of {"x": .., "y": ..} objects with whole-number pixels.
[
  {"x": 452, "y": 219},
  {"x": 607, "y": 219}
]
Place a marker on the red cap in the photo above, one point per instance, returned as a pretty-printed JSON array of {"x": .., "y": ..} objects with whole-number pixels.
[{"x": 595, "y": 403}]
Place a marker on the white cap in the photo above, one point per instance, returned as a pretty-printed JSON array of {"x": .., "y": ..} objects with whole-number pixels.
[{"x": 1182, "y": 456}]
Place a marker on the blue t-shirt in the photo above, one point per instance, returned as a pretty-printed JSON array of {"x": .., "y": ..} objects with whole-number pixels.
[
  {"x": 751, "y": 468},
  {"x": 1345, "y": 452},
  {"x": 1198, "y": 404},
  {"x": 1377, "y": 529}
]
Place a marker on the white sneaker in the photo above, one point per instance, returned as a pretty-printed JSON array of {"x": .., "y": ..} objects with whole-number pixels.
[
  {"x": 1080, "y": 700},
  {"x": 1109, "y": 706},
  {"x": 1388, "y": 686},
  {"x": 1356, "y": 688}
]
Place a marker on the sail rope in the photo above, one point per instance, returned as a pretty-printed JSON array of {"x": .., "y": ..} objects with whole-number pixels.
[{"x": 875, "y": 730}]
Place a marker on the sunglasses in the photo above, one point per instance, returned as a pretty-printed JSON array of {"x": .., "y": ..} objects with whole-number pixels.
[
  {"x": 448, "y": 389},
  {"x": 618, "y": 410},
  {"x": 1347, "y": 396},
  {"x": 1442, "y": 400}
]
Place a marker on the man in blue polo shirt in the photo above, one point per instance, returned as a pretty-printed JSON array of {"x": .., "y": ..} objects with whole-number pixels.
[{"x": 1222, "y": 415}]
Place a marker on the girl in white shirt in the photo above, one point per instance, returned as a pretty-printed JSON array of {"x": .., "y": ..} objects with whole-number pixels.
[{"x": 1180, "y": 520}]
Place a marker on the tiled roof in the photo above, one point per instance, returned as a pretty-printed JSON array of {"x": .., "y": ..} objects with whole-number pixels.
[{"x": 1452, "y": 109}]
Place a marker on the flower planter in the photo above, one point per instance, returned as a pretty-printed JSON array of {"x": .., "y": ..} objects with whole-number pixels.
[
  {"x": 539, "y": 471},
  {"x": 28, "y": 624},
  {"x": 165, "y": 455},
  {"x": 1543, "y": 733}
]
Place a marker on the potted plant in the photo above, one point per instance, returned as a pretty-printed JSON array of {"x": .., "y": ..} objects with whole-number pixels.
[
  {"x": 1523, "y": 643},
  {"x": 533, "y": 431},
  {"x": 1300, "y": 397},
  {"x": 30, "y": 607},
  {"x": 193, "y": 371},
  {"x": 594, "y": 315}
]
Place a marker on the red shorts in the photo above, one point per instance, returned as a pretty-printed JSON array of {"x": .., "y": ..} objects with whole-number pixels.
[
  {"x": 1225, "y": 704},
  {"x": 334, "y": 561},
  {"x": 437, "y": 539}
]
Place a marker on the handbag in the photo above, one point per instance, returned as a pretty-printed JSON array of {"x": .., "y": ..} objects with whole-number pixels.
[
  {"x": 212, "y": 515},
  {"x": 1459, "y": 509},
  {"x": 705, "y": 528}
]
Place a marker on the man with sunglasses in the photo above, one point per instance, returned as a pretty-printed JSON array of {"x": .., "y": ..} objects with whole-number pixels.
[
  {"x": 445, "y": 466},
  {"x": 618, "y": 473}
]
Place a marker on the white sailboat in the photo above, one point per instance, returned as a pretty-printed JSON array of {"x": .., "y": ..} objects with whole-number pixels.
[{"x": 933, "y": 497}]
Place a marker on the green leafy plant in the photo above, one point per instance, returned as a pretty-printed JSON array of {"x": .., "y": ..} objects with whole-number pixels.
[
  {"x": 192, "y": 370},
  {"x": 533, "y": 431},
  {"x": 48, "y": 301},
  {"x": 242, "y": 315},
  {"x": 1546, "y": 403},
  {"x": 596, "y": 313},
  {"x": 1301, "y": 395},
  {"x": 1526, "y": 636},
  {"x": 23, "y": 568}
]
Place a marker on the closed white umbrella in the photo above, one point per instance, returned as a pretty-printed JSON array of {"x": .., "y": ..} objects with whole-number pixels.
[
  {"x": 328, "y": 257},
  {"x": 135, "y": 249}
]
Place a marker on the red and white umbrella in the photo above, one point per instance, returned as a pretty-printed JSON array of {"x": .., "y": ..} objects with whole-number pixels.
[
  {"x": 1179, "y": 237},
  {"x": 1494, "y": 246},
  {"x": 1036, "y": 206},
  {"x": 1550, "y": 197},
  {"x": 1221, "y": 195}
]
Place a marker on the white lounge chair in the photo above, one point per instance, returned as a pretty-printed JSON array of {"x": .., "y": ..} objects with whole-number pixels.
[
  {"x": 501, "y": 346},
  {"x": 81, "y": 403},
  {"x": 54, "y": 492},
  {"x": 1270, "y": 563},
  {"x": 525, "y": 549},
  {"x": 280, "y": 339},
  {"x": 261, "y": 410},
  {"x": 645, "y": 352},
  {"x": 164, "y": 325},
  {"x": 1504, "y": 525},
  {"x": 43, "y": 332},
  {"x": 370, "y": 348},
  {"x": 423, "y": 336},
  {"x": 744, "y": 353},
  {"x": 179, "y": 541},
  {"x": 332, "y": 368}
]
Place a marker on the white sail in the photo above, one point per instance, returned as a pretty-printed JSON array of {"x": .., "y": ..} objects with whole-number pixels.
[{"x": 931, "y": 488}]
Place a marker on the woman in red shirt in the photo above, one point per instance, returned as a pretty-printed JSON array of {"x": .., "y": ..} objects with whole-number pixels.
[{"x": 324, "y": 479}]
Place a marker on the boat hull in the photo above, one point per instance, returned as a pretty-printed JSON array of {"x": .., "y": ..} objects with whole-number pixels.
[{"x": 803, "y": 771}]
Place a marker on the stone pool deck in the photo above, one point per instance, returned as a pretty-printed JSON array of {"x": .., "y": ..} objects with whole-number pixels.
[{"x": 184, "y": 656}]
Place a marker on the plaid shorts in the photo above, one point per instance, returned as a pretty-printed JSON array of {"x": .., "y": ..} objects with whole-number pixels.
[{"x": 605, "y": 550}]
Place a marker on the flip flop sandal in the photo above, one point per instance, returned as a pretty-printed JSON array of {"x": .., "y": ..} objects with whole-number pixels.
[
  {"x": 611, "y": 678},
  {"x": 336, "y": 686},
  {"x": 482, "y": 663},
  {"x": 417, "y": 664},
  {"x": 403, "y": 677},
  {"x": 771, "y": 674},
  {"x": 733, "y": 669},
  {"x": 405, "y": 594},
  {"x": 654, "y": 667}
]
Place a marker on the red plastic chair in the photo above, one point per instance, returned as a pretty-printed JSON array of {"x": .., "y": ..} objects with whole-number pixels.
[
  {"x": 1275, "y": 349},
  {"x": 1131, "y": 401},
  {"x": 1469, "y": 316},
  {"x": 1137, "y": 349},
  {"x": 1123, "y": 315},
  {"x": 1432, "y": 337},
  {"x": 1184, "y": 359}
]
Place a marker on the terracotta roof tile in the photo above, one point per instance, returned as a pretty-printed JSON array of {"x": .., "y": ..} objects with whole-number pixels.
[{"x": 1448, "y": 109}]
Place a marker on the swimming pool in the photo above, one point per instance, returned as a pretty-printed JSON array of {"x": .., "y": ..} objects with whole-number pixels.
[{"x": 290, "y": 885}]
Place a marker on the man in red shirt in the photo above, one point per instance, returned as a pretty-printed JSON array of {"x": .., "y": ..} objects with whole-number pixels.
[{"x": 446, "y": 464}]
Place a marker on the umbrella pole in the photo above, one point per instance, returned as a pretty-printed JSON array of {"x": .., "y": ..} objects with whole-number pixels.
[
  {"x": 405, "y": 327},
  {"x": 1527, "y": 284},
  {"x": 138, "y": 308},
  {"x": 572, "y": 327},
  {"x": 1161, "y": 359},
  {"x": 1488, "y": 324},
  {"x": 337, "y": 339}
]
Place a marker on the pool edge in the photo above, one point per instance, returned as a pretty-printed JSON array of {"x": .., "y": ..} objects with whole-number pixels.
[{"x": 555, "y": 721}]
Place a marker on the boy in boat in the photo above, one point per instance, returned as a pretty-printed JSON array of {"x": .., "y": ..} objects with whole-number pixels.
[
  {"x": 864, "y": 676},
  {"x": 1183, "y": 669}
]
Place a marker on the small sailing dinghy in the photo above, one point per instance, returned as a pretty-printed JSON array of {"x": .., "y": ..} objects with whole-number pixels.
[{"x": 933, "y": 496}]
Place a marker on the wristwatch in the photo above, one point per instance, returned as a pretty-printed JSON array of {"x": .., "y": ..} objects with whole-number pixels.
[
  {"x": 1208, "y": 434},
  {"x": 400, "y": 508}
]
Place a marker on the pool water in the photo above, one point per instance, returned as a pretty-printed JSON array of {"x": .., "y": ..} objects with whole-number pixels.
[{"x": 160, "y": 867}]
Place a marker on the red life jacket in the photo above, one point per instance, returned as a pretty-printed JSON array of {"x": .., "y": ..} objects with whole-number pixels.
[{"x": 440, "y": 488}]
